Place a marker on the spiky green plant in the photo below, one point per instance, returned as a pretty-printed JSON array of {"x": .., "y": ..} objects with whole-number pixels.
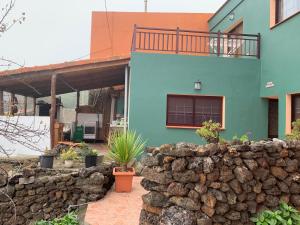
[{"x": 124, "y": 147}]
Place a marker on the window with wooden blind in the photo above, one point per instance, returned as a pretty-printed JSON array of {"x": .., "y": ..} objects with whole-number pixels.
[
  {"x": 295, "y": 107},
  {"x": 192, "y": 111}
]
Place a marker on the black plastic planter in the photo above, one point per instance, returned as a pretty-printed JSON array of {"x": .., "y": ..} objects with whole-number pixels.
[
  {"x": 90, "y": 161},
  {"x": 46, "y": 161}
]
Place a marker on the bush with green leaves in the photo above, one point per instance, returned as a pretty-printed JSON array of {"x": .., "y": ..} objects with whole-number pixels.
[
  {"x": 240, "y": 140},
  {"x": 125, "y": 147},
  {"x": 69, "y": 154},
  {"x": 284, "y": 215},
  {"x": 69, "y": 219},
  {"x": 295, "y": 134},
  {"x": 210, "y": 131}
]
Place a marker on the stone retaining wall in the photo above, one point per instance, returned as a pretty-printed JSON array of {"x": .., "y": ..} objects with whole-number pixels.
[
  {"x": 47, "y": 193},
  {"x": 218, "y": 184}
]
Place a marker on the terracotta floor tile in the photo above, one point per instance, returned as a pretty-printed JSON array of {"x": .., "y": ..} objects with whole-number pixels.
[{"x": 117, "y": 208}]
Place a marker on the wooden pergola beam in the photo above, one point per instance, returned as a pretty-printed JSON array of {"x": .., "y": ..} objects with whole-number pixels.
[{"x": 53, "y": 109}]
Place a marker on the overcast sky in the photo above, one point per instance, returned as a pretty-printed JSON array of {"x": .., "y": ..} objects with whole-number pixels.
[{"x": 59, "y": 30}]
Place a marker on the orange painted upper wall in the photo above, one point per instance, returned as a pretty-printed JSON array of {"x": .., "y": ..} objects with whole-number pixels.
[{"x": 117, "y": 42}]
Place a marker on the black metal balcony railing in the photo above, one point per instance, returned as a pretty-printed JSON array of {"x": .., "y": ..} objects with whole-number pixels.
[{"x": 178, "y": 41}]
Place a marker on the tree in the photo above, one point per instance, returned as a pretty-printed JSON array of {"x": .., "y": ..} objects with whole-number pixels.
[
  {"x": 11, "y": 128},
  {"x": 7, "y": 21}
]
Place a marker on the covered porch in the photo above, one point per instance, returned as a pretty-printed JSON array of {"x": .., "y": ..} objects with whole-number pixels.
[{"x": 35, "y": 83}]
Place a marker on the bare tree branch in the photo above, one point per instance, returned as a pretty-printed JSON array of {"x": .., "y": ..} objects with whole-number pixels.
[{"x": 6, "y": 24}]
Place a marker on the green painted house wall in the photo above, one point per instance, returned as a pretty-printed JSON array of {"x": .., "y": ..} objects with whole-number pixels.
[
  {"x": 153, "y": 76},
  {"x": 280, "y": 48}
]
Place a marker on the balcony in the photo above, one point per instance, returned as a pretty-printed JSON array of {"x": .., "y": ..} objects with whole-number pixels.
[{"x": 190, "y": 42}]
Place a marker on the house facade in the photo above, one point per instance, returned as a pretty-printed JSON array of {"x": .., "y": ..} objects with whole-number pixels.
[
  {"x": 239, "y": 67},
  {"x": 247, "y": 67}
]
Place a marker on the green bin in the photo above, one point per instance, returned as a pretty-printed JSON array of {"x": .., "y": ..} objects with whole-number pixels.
[{"x": 78, "y": 134}]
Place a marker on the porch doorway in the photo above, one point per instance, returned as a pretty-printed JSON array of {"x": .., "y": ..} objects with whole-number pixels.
[{"x": 273, "y": 118}]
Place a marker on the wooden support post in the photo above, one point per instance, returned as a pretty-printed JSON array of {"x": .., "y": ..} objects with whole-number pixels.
[
  {"x": 34, "y": 106},
  {"x": 126, "y": 99},
  {"x": 11, "y": 104},
  {"x": 219, "y": 43},
  {"x": 77, "y": 107},
  {"x": 1, "y": 103},
  {"x": 25, "y": 105},
  {"x": 53, "y": 109},
  {"x": 177, "y": 40}
]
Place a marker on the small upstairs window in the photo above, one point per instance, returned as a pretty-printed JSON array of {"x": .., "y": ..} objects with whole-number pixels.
[{"x": 286, "y": 8}]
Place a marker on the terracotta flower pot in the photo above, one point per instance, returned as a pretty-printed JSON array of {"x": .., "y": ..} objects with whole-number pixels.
[{"x": 123, "y": 180}]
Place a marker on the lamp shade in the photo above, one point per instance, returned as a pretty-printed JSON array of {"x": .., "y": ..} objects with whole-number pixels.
[{"x": 197, "y": 85}]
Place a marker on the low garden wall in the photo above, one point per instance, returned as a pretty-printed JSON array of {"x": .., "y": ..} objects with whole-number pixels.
[
  {"x": 47, "y": 193},
  {"x": 218, "y": 184}
]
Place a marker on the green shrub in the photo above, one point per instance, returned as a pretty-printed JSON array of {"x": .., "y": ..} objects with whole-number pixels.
[
  {"x": 69, "y": 219},
  {"x": 69, "y": 154},
  {"x": 124, "y": 147},
  {"x": 210, "y": 131},
  {"x": 285, "y": 215},
  {"x": 295, "y": 135},
  {"x": 240, "y": 140}
]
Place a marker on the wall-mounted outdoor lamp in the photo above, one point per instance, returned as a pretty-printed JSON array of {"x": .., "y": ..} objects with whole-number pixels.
[
  {"x": 231, "y": 16},
  {"x": 198, "y": 85}
]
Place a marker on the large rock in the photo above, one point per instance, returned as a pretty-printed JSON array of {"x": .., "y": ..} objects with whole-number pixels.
[
  {"x": 96, "y": 179},
  {"x": 177, "y": 189},
  {"x": 295, "y": 200},
  {"x": 179, "y": 165},
  {"x": 147, "y": 218},
  {"x": 3, "y": 179},
  {"x": 158, "y": 177},
  {"x": 243, "y": 174},
  {"x": 208, "y": 211},
  {"x": 188, "y": 176},
  {"x": 278, "y": 172},
  {"x": 292, "y": 165},
  {"x": 155, "y": 199},
  {"x": 185, "y": 203},
  {"x": 153, "y": 186},
  {"x": 181, "y": 150},
  {"x": 226, "y": 174},
  {"x": 150, "y": 160},
  {"x": 208, "y": 165},
  {"x": 196, "y": 164},
  {"x": 209, "y": 200},
  {"x": 233, "y": 215},
  {"x": 251, "y": 164},
  {"x": 236, "y": 186},
  {"x": 261, "y": 174},
  {"x": 176, "y": 215}
]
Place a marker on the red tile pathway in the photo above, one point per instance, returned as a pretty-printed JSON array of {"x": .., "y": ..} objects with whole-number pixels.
[{"x": 117, "y": 208}]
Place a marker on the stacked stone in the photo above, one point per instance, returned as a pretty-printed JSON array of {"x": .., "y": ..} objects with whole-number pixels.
[
  {"x": 218, "y": 184},
  {"x": 47, "y": 194}
]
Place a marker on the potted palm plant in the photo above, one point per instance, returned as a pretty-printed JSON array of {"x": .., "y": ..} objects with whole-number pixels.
[
  {"x": 46, "y": 160},
  {"x": 69, "y": 156},
  {"x": 124, "y": 147}
]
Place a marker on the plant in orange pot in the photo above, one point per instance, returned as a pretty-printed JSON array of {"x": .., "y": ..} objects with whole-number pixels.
[{"x": 124, "y": 147}]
